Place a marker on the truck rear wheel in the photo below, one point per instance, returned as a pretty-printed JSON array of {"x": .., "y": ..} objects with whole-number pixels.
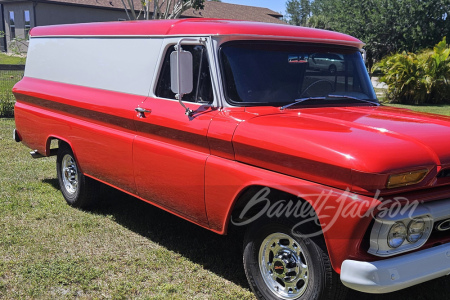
[
  {"x": 280, "y": 265},
  {"x": 78, "y": 191},
  {"x": 332, "y": 69}
]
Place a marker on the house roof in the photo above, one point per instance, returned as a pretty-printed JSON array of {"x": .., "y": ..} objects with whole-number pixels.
[
  {"x": 212, "y": 9},
  {"x": 223, "y": 10},
  {"x": 199, "y": 27}
]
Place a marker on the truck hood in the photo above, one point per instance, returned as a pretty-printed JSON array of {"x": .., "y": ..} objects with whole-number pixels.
[{"x": 346, "y": 147}]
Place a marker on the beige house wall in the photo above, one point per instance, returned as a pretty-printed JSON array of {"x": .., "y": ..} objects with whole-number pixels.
[
  {"x": 51, "y": 14},
  {"x": 18, "y": 9}
]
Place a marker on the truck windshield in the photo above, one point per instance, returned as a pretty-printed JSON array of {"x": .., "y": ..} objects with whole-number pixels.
[{"x": 278, "y": 74}]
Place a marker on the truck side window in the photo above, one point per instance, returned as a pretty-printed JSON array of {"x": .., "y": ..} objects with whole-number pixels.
[{"x": 202, "y": 91}]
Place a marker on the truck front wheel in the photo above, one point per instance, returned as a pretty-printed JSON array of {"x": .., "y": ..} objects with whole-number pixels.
[
  {"x": 281, "y": 265},
  {"x": 78, "y": 191}
]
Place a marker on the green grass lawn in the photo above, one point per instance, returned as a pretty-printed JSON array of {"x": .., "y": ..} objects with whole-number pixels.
[
  {"x": 434, "y": 109},
  {"x": 123, "y": 249},
  {"x": 11, "y": 60}
]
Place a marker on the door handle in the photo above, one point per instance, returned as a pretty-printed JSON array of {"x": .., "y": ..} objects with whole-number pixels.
[{"x": 141, "y": 111}]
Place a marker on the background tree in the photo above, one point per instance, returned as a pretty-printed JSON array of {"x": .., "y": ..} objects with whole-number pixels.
[
  {"x": 298, "y": 12},
  {"x": 319, "y": 21},
  {"x": 162, "y": 9},
  {"x": 386, "y": 26}
]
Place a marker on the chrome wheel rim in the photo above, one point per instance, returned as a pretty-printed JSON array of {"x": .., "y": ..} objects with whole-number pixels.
[
  {"x": 283, "y": 266},
  {"x": 69, "y": 174}
]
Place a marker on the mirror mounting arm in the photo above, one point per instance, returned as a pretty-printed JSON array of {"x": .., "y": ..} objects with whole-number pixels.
[{"x": 189, "y": 112}]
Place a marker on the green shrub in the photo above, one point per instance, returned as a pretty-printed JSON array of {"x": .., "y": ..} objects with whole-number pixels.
[
  {"x": 8, "y": 78},
  {"x": 421, "y": 78},
  {"x": 6, "y": 104}
]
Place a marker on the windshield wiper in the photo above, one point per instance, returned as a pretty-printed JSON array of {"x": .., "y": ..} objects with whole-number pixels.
[
  {"x": 353, "y": 98},
  {"x": 297, "y": 101},
  {"x": 333, "y": 97}
]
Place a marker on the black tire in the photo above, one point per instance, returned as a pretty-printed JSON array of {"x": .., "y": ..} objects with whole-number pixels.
[
  {"x": 332, "y": 69},
  {"x": 78, "y": 190},
  {"x": 303, "y": 273}
]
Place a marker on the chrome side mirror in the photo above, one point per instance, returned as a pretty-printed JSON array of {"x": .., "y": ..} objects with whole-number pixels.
[
  {"x": 363, "y": 54},
  {"x": 181, "y": 74}
]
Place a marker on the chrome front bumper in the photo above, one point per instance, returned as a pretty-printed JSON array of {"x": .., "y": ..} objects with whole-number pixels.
[{"x": 396, "y": 273}]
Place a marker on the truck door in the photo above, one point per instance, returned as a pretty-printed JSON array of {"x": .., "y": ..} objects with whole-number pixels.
[{"x": 171, "y": 148}]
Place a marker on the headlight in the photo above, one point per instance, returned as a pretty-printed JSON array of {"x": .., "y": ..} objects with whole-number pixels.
[
  {"x": 416, "y": 228},
  {"x": 397, "y": 235},
  {"x": 406, "y": 229},
  {"x": 405, "y": 179}
]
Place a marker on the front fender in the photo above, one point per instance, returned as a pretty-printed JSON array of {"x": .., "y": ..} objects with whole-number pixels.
[{"x": 344, "y": 216}]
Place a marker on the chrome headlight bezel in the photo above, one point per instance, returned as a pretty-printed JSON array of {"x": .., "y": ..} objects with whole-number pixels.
[{"x": 383, "y": 225}]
